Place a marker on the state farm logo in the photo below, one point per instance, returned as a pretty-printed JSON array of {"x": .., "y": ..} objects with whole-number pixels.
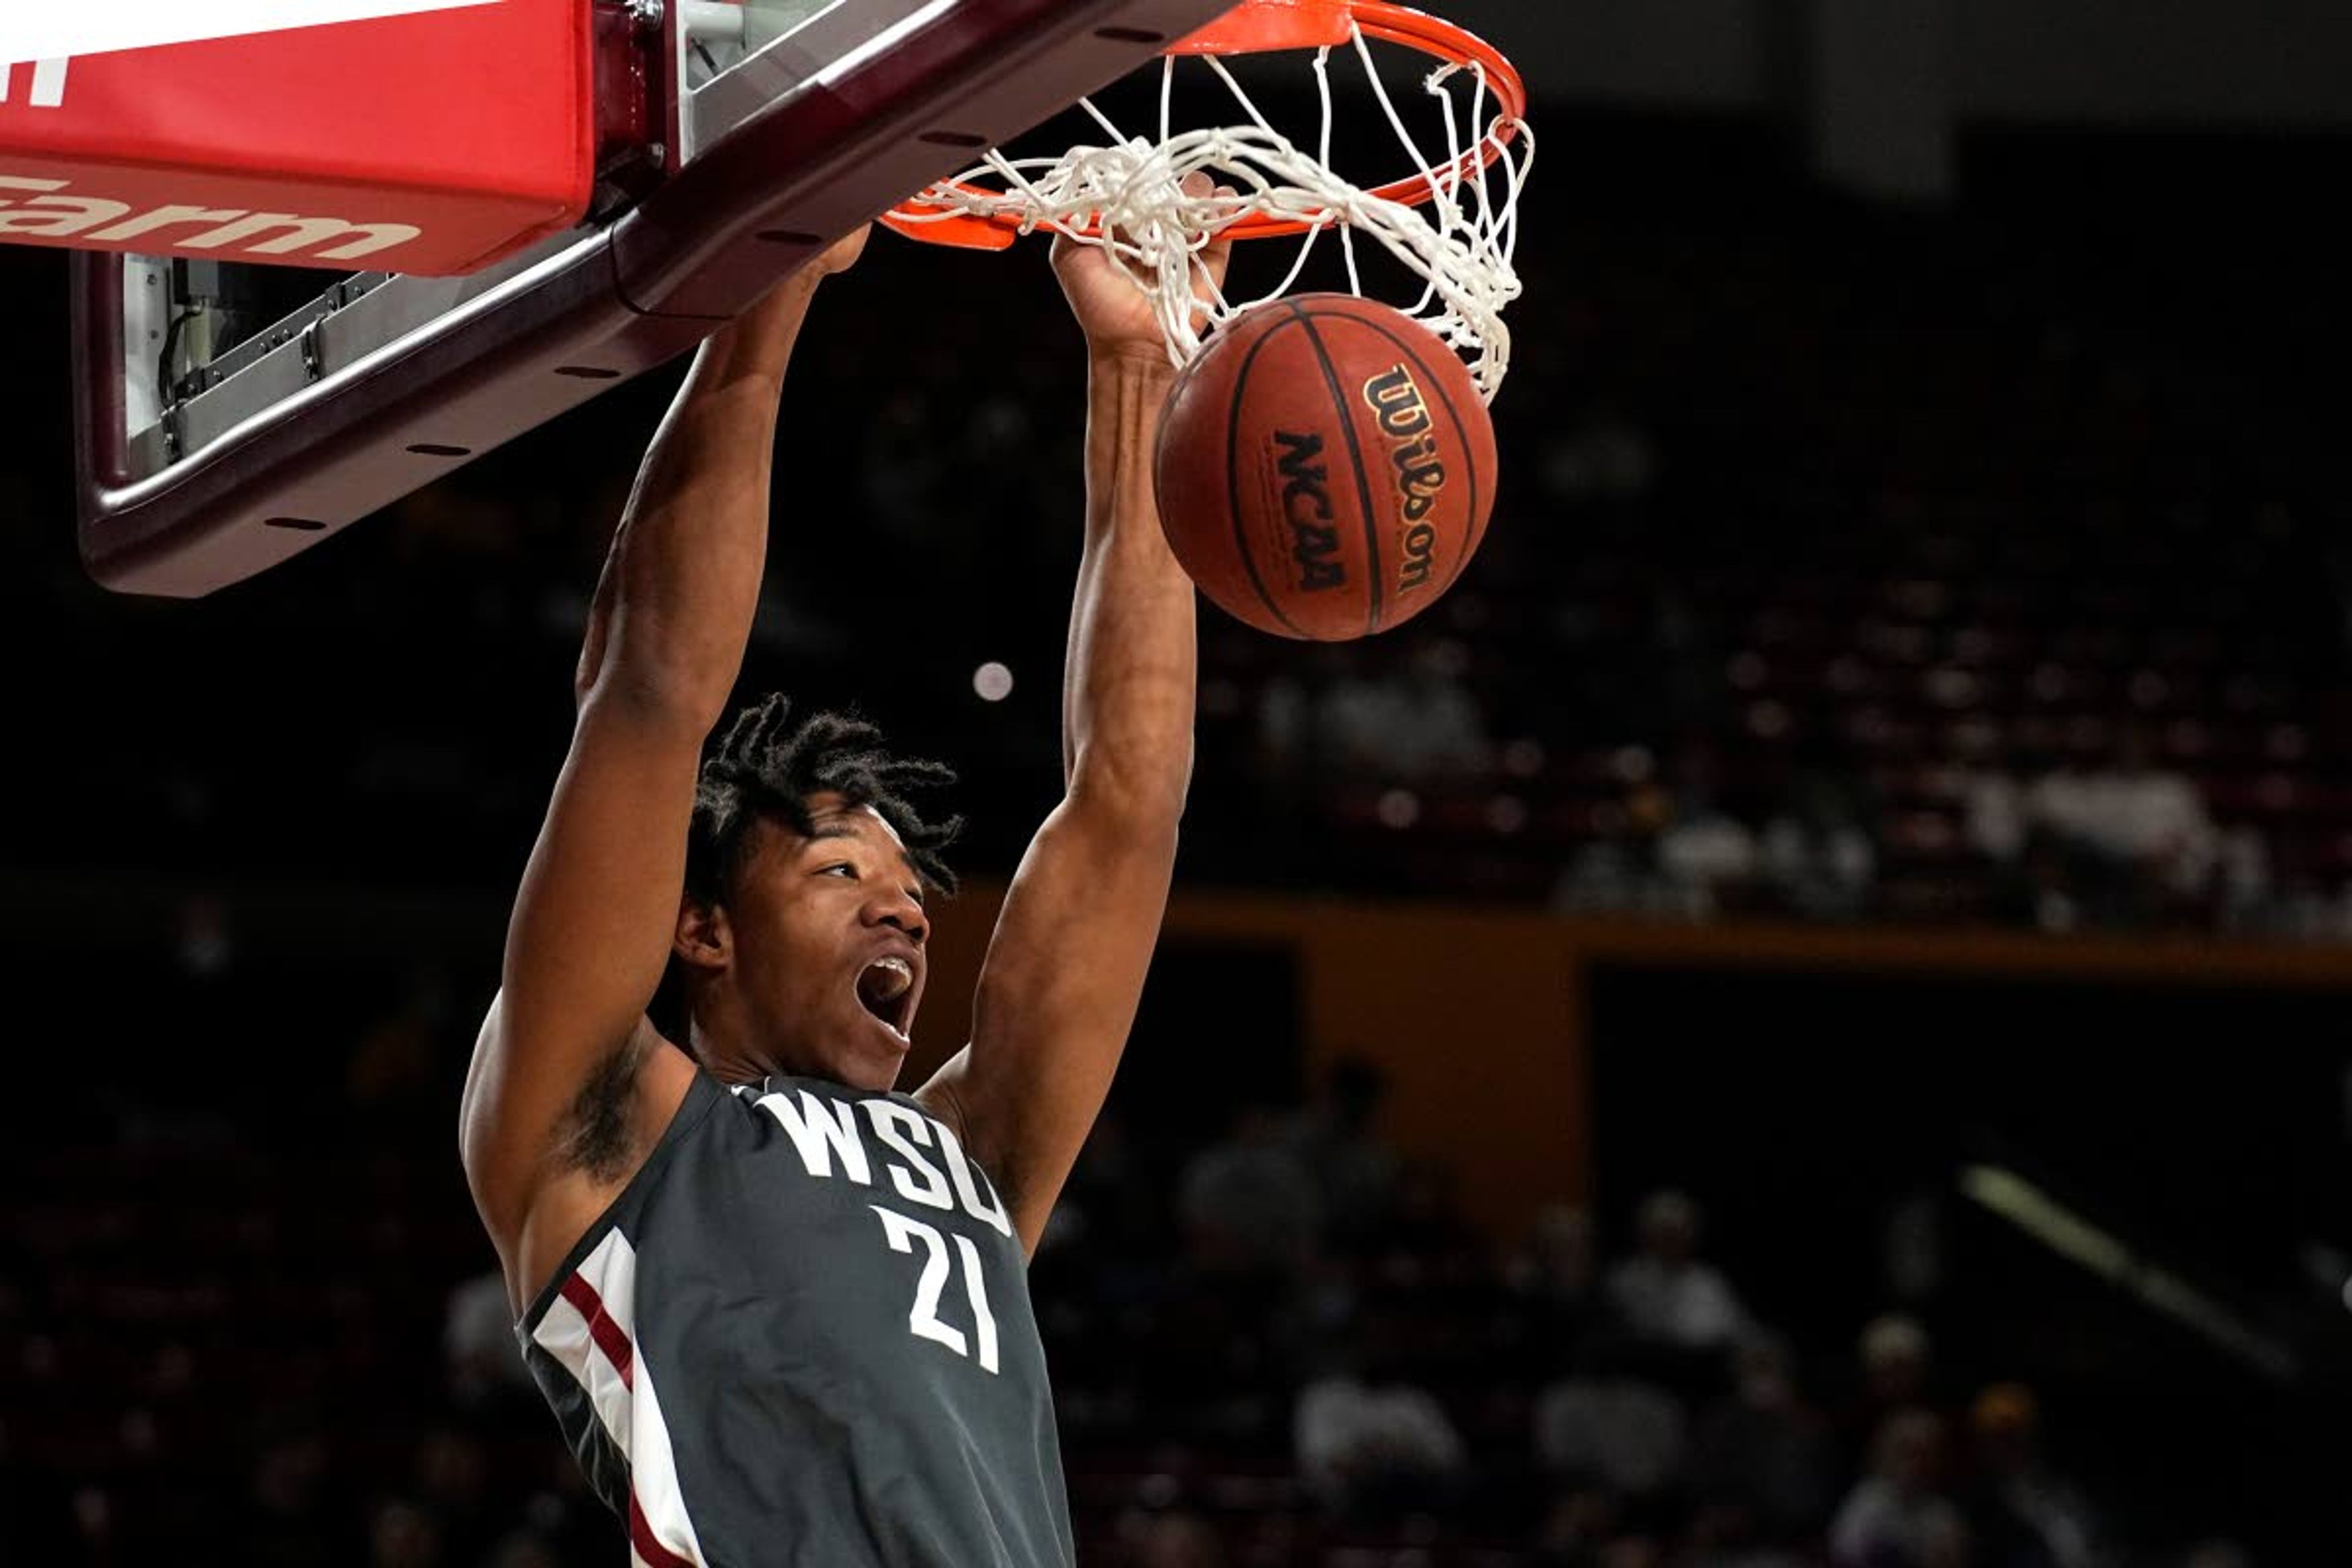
[
  {"x": 50, "y": 210},
  {"x": 46, "y": 84}
]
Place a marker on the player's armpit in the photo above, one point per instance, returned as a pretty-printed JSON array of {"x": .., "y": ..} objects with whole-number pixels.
[
  {"x": 1057, "y": 996},
  {"x": 596, "y": 1149}
]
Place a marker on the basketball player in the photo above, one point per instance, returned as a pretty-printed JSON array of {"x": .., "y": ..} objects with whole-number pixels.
[{"x": 780, "y": 1309}]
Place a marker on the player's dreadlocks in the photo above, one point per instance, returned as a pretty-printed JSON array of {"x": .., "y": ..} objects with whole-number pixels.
[{"x": 760, "y": 767}]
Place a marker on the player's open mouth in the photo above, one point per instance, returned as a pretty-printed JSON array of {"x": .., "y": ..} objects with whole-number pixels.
[{"x": 886, "y": 988}]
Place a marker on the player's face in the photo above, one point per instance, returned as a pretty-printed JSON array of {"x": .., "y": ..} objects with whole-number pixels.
[{"x": 828, "y": 937}]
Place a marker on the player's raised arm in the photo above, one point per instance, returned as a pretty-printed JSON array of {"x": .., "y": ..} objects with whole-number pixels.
[
  {"x": 569, "y": 1085},
  {"x": 1064, "y": 973}
]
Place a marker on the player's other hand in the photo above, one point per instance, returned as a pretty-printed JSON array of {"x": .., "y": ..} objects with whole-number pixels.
[
  {"x": 844, "y": 254},
  {"x": 1118, "y": 317},
  {"x": 770, "y": 324}
]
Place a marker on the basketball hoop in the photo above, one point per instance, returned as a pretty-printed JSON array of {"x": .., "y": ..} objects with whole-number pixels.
[{"x": 1454, "y": 224}]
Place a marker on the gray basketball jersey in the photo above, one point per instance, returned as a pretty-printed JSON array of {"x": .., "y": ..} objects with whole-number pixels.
[{"x": 802, "y": 1336}]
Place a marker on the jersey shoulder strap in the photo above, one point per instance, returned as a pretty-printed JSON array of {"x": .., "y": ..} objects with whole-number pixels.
[{"x": 701, "y": 1097}]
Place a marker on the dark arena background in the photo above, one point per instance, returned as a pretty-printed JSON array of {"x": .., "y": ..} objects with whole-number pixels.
[{"x": 1797, "y": 1018}]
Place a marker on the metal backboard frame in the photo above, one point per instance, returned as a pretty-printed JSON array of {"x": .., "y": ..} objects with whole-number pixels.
[{"x": 380, "y": 383}]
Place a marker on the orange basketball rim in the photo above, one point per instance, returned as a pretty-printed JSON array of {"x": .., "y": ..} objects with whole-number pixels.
[{"x": 1275, "y": 26}]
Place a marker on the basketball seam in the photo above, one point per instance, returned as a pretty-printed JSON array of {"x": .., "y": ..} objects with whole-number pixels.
[
  {"x": 1234, "y": 480},
  {"x": 1471, "y": 535},
  {"x": 1373, "y": 564}
]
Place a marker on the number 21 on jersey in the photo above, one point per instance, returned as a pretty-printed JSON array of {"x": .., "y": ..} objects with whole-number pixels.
[{"x": 924, "y": 1320}]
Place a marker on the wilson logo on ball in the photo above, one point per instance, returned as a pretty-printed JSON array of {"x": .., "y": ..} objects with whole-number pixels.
[
  {"x": 1403, "y": 412},
  {"x": 1326, "y": 468},
  {"x": 1307, "y": 504}
]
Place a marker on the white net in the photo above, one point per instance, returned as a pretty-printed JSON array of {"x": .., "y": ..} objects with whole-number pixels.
[{"x": 1129, "y": 197}]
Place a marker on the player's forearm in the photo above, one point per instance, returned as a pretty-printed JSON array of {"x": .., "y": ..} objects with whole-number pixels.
[
  {"x": 674, "y": 609},
  {"x": 1128, "y": 686}
]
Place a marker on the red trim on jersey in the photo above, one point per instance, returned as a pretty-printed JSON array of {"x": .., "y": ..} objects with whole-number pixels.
[
  {"x": 622, "y": 1355},
  {"x": 641, "y": 1536},
  {"x": 603, "y": 1329}
]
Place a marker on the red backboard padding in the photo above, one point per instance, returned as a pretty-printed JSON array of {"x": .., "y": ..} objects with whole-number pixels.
[{"x": 476, "y": 128}]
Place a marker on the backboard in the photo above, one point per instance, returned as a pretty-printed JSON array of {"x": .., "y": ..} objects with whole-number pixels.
[{"x": 231, "y": 414}]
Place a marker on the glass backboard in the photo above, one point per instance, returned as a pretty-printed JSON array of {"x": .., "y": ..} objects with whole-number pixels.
[{"x": 230, "y": 415}]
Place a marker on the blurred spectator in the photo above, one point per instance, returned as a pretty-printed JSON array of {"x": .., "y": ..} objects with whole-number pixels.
[
  {"x": 565, "y": 1515},
  {"x": 1912, "y": 1245},
  {"x": 207, "y": 944},
  {"x": 1992, "y": 817},
  {"x": 1818, "y": 851},
  {"x": 2136, "y": 834},
  {"x": 1899, "y": 1516},
  {"x": 1726, "y": 1535},
  {"x": 1110, "y": 1216},
  {"x": 1426, "y": 1238},
  {"x": 2243, "y": 884},
  {"x": 1369, "y": 1441},
  {"x": 1558, "y": 1279},
  {"x": 1763, "y": 1450},
  {"x": 1405, "y": 722},
  {"x": 1705, "y": 853},
  {"x": 1606, "y": 1424},
  {"x": 1247, "y": 1203},
  {"x": 453, "y": 1480},
  {"x": 2019, "y": 1515},
  {"x": 1668, "y": 1293},
  {"x": 1336, "y": 1140},
  {"x": 1288, "y": 699},
  {"x": 2045, "y": 889},
  {"x": 1616, "y": 869},
  {"x": 211, "y": 994},
  {"x": 484, "y": 1363},
  {"x": 1575, "y": 1526},
  {"x": 1177, "y": 1538},
  {"x": 1896, "y": 1360}
]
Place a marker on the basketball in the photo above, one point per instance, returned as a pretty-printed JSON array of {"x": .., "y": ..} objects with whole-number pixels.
[{"x": 1326, "y": 468}]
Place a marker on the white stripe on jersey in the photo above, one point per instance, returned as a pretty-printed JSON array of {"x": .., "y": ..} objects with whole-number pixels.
[{"x": 629, "y": 1411}]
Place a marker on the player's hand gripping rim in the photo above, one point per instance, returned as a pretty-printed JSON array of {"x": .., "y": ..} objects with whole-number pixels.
[{"x": 1116, "y": 313}]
